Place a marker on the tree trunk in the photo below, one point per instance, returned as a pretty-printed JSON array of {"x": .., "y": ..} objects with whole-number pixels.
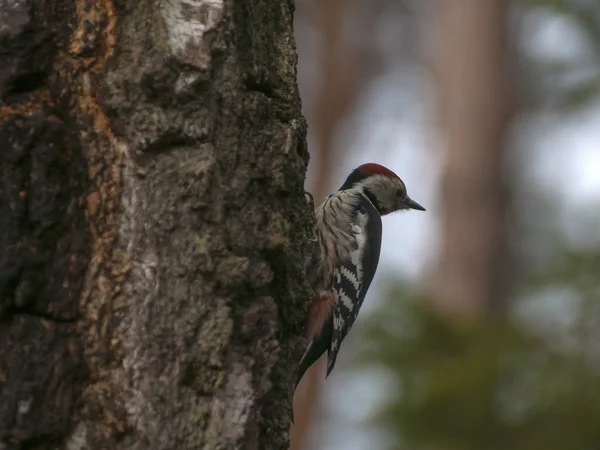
[
  {"x": 152, "y": 224},
  {"x": 477, "y": 103}
]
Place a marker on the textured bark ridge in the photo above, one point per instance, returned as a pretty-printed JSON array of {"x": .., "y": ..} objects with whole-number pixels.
[{"x": 152, "y": 224}]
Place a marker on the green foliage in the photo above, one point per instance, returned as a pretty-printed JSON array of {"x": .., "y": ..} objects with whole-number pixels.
[
  {"x": 581, "y": 95},
  {"x": 576, "y": 269},
  {"x": 484, "y": 385}
]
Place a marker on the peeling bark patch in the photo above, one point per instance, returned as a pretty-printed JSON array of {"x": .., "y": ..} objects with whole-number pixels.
[{"x": 187, "y": 22}]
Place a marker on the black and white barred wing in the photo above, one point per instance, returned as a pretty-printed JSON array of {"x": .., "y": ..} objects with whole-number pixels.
[{"x": 353, "y": 277}]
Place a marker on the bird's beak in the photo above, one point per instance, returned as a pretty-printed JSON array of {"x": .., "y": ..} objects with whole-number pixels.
[{"x": 414, "y": 205}]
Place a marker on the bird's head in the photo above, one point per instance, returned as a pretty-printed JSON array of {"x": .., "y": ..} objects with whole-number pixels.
[{"x": 383, "y": 187}]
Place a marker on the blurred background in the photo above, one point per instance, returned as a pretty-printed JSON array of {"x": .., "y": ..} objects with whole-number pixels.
[{"x": 481, "y": 328}]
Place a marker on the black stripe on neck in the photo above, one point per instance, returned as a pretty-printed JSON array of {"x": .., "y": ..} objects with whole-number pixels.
[{"x": 373, "y": 200}]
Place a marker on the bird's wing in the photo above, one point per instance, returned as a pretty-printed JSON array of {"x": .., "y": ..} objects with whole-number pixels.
[{"x": 353, "y": 276}]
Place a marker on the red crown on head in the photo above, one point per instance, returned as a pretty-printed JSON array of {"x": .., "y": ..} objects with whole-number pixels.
[
  {"x": 373, "y": 168},
  {"x": 365, "y": 171}
]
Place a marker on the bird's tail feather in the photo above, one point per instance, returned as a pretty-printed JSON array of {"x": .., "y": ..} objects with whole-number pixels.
[{"x": 315, "y": 350}]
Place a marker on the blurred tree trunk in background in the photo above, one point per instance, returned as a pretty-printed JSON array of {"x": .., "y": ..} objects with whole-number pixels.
[
  {"x": 152, "y": 224},
  {"x": 477, "y": 102}
]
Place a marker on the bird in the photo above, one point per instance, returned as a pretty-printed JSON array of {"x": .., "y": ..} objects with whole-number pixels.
[{"x": 344, "y": 254}]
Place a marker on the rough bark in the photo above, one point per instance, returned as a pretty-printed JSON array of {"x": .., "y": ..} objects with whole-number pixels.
[
  {"x": 152, "y": 224},
  {"x": 477, "y": 103}
]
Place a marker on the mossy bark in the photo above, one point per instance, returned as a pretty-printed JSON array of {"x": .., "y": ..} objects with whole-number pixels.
[{"x": 152, "y": 224}]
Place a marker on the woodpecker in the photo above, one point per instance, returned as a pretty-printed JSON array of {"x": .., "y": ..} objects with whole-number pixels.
[{"x": 345, "y": 253}]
